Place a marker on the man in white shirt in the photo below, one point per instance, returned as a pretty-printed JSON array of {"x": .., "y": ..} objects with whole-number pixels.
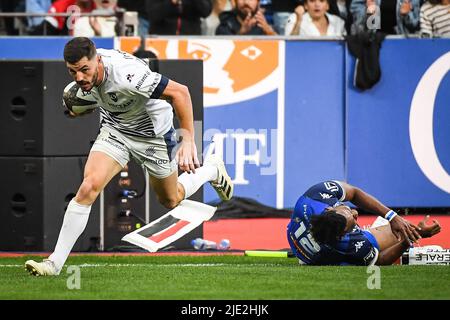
[
  {"x": 315, "y": 21},
  {"x": 136, "y": 122}
]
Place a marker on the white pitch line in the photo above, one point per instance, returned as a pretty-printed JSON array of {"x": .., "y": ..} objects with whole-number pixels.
[
  {"x": 95, "y": 265},
  {"x": 115, "y": 265},
  {"x": 10, "y": 265}
]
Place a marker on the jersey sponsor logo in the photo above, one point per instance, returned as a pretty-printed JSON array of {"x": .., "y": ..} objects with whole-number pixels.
[
  {"x": 358, "y": 245},
  {"x": 112, "y": 140},
  {"x": 154, "y": 84},
  {"x": 130, "y": 77},
  {"x": 150, "y": 151},
  {"x": 370, "y": 256},
  {"x": 126, "y": 55},
  {"x": 331, "y": 186},
  {"x": 113, "y": 96},
  {"x": 86, "y": 93},
  {"x": 159, "y": 162},
  {"x": 121, "y": 106},
  {"x": 325, "y": 195},
  {"x": 141, "y": 82}
]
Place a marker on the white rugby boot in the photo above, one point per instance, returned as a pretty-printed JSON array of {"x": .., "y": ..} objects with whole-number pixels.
[
  {"x": 44, "y": 268},
  {"x": 223, "y": 184}
]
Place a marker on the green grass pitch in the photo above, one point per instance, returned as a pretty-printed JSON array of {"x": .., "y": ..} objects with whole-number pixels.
[{"x": 224, "y": 277}]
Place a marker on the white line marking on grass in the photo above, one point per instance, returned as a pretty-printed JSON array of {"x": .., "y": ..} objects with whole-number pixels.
[
  {"x": 118, "y": 265},
  {"x": 11, "y": 265},
  {"x": 95, "y": 265}
]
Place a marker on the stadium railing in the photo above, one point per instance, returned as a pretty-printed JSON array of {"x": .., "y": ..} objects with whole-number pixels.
[{"x": 125, "y": 19}]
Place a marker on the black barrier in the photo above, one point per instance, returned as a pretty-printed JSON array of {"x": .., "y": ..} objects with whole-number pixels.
[
  {"x": 34, "y": 195},
  {"x": 42, "y": 156},
  {"x": 32, "y": 118}
]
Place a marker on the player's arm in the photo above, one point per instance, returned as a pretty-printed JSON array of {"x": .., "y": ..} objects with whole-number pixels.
[
  {"x": 395, "y": 250},
  {"x": 364, "y": 200},
  {"x": 389, "y": 255},
  {"x": 180, "y": 98},
  {"x": 367, "y": 202}
]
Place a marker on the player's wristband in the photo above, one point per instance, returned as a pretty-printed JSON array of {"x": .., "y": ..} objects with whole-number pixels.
[{"x": 390, "y": 215}]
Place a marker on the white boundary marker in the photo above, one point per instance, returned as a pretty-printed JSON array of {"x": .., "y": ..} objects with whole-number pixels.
[{"x": 189, "y": 213}]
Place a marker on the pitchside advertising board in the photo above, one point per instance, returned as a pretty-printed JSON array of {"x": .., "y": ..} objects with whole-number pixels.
[
  {"x": 285, "y": 117},
  {"x": 249, "y": 95},
  {"x": 398, "y": 145},
  {"x": 47, "y": 48},
  {"x": 285, "y": 114},
  {"x": 242, "y": 84}
]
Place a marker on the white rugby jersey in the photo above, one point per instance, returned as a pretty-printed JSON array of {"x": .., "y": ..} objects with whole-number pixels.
[{"x": 129, "y": 96}]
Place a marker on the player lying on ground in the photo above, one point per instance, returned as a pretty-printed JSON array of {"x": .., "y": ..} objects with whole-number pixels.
[
  {"x": 136, "y": 122},
  {"x": 323, "y": 231}
]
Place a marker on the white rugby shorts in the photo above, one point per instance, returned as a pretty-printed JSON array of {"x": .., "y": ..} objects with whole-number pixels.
[{"x": 156, "y": 155}]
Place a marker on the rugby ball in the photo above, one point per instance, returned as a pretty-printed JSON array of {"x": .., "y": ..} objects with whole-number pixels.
[{"x": 77, "y": 100}]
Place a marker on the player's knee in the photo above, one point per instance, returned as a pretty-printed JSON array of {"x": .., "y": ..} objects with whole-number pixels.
[{"x": 89, "y": 189}]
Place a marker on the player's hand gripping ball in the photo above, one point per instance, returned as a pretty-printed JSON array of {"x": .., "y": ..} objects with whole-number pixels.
[{"x": 77, "y": 101}]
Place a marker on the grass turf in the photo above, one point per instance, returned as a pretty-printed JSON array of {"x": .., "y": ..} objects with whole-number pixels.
[{"x": 219, "y": 278}]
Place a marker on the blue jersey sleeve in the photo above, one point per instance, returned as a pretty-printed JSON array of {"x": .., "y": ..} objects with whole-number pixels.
[
  {"x": 358, "y": 248},
  {"x": 329, "y": 192},
  {"x": 362, "y": 249}
]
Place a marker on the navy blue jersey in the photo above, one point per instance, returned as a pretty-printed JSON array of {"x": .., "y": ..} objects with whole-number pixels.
[{"x": 358, "y": 247}]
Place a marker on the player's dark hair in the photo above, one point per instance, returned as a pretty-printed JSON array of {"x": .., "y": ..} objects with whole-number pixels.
[
  {"x": 328, "y": 227},
  {"x": 78, "y": 48}
]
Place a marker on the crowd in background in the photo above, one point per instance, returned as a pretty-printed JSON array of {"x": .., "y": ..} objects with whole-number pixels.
[{"x": 307, "y": 18}]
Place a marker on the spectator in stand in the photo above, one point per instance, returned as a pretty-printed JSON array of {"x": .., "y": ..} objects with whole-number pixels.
[
  {"x": 313, "y": 20},
  {"x": 435, "y": 18},
  {"x": 395, "y": 17},
  {"x": 341, "y": 8},
  {"x": 246, "y": 19},
  {"x": 266, "y": 7},
  {"x": 210, "y": 23},
  {"x": 98, "y": 26},
  {"x": 177, "y": 17},
  {"x": 139, "y": 6},
  {"x": 62, "y": 25},
  {"x": 11, "y": 6},
  {"x": 37, "y": 6},
  {"x": 282, "y": 9}
]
